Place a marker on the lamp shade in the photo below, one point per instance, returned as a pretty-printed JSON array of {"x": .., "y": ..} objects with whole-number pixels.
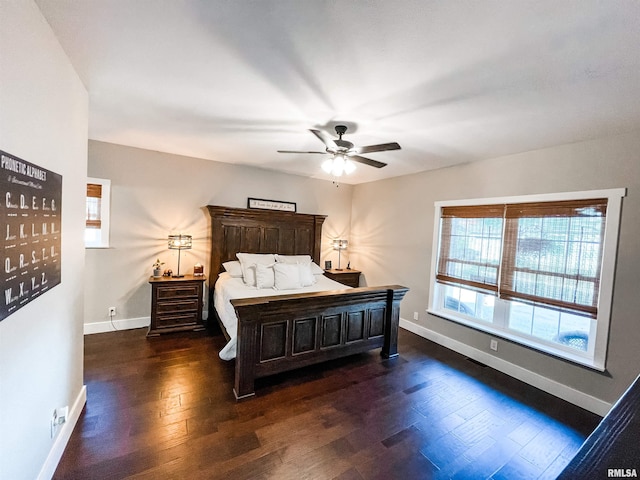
[
  {"x": 340, "y": 244},
  {"x": 180, "y": 242}
]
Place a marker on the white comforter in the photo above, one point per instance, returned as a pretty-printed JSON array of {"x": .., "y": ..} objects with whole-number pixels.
[{"x": 228, "y": 287}]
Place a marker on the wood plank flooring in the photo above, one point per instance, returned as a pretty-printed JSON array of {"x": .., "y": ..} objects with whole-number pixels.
[{"x": 162, "y": 408}]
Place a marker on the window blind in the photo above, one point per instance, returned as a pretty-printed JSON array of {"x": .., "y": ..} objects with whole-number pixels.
[
  {"x": 470, "y": 246},
  {"x": 94, "y": 198},
  {"x": 552, "y": 254},
  {"x": 542, "y": 253}
]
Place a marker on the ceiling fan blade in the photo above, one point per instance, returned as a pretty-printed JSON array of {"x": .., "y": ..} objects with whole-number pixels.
[
  {"x": 367, "y": 161},
  {"x": 296, "y": 151},
  {"x": 377, "y": 148},
  {"x": 325, "y": 138}
]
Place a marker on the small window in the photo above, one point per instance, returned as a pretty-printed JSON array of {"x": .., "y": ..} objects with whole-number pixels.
[
  {"x": 96, "y": 233},
  {"x": 537, "y": 270}
]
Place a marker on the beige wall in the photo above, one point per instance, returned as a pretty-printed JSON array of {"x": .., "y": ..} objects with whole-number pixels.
[
  {"x": 154, "y": 194},
  {"x": 392, "y": 235},
  {"x": 43, "y": 119}
]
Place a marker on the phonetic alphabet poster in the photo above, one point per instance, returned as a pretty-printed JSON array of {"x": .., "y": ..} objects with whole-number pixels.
[{"x": 31, "y": 213}]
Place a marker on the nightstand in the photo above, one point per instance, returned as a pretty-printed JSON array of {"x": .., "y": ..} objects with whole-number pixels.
[
  {"x": 350, "y": 278},
  {"x": 176, "y": 304}
]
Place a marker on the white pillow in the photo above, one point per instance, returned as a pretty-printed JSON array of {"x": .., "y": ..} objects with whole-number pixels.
[
  {"x": 293, "y": 258},
  {"x": 265, "y": 276},
  {"x": 306, "y": 276},
  {"x": 307, "y": 270},
  {"x": 287, "y": 276},
  {"x": 304, "y": 260},
  {"x": 233, "y": 267},
  {"x": 249, "y": 261}
]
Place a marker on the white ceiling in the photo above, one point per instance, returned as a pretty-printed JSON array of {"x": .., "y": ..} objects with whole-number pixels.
[{"x": 452, "y": 81}]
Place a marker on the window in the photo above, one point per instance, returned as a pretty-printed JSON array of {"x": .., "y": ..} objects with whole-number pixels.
[
  {"x": 537, "y": 270},
  {"x": 94, "y": 207},
  {"x": 96, "y": 233}
]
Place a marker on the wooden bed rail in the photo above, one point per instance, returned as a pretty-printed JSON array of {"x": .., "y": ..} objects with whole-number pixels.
[{"x": 281, "y": 333}]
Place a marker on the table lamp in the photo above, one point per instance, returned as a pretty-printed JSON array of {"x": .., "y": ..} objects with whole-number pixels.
[
  {"x": 340, "y": 245},
  {"x": 179, "y": 242}
]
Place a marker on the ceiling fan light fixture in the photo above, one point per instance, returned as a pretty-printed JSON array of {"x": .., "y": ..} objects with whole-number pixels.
[
  {"x": 338, "y": 165},
  {"x": 327, "y": 165},
  {"x": 349, "y": 167}
]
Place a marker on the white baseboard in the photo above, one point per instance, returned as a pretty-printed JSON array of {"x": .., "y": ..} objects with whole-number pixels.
[
  {"x": 63, "y": 436},
  {"x": 581, "y": 399},
  {"x": 108, "y": 326}
]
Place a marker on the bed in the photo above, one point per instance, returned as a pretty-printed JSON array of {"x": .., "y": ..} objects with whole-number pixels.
[{"x": 280, "y": 332}]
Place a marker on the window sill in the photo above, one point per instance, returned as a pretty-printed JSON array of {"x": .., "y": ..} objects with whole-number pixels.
[{"x": 559, "y": 353}]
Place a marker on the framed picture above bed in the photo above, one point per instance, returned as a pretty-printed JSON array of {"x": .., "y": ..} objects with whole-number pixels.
[{"x": 263, "y": 204}]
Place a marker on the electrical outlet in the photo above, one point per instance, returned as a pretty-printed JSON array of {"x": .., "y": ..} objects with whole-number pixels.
[
  {"x": 416, "y": 316},
  {"x": 63, "y": 413},
  {"x": 54, "y": 422},
  {"x": 112, "y": 311},
  {"x": 494, "y": 344},
  {"x": 58, "y": 418}
]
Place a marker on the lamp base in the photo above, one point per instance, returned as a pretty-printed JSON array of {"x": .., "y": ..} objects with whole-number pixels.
[{"x": 177, "y": 276}]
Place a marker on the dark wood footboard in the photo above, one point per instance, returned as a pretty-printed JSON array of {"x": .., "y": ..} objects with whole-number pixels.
[
  {"x": 613, "y": 449},
  {"x": 281, "y": 333}
]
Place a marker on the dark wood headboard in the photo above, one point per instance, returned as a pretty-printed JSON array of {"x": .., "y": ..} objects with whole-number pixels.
[{"x": 248, "y": 230}]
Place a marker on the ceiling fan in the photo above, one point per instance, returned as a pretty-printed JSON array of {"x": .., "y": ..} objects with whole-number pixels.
[{"x": 344, "y": 152}]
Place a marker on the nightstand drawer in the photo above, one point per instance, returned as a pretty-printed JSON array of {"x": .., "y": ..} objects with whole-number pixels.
[
  {"x": 173, "y": 320},
  {"x": 180, "y": 291},
  {"x": 178, "y": 305}
]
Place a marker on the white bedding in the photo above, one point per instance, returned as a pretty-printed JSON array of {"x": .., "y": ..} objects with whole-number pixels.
[{"x": 228, "y": 288}]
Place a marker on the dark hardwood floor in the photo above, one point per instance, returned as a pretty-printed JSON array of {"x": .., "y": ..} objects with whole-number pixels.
[{"x": 162, "y": 408}]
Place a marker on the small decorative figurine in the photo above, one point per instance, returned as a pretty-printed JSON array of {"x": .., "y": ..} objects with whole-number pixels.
[{"x": 157, "y": 268}]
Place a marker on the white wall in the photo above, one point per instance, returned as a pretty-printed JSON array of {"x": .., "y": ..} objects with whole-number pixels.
[
  {"x": 155, "y": 194},
  {"x": 392, "y": 235},
  {"x": 43, "y": 119}
]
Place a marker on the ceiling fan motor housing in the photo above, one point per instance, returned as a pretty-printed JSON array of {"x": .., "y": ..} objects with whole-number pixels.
[{"x": 343, "y": 144}]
